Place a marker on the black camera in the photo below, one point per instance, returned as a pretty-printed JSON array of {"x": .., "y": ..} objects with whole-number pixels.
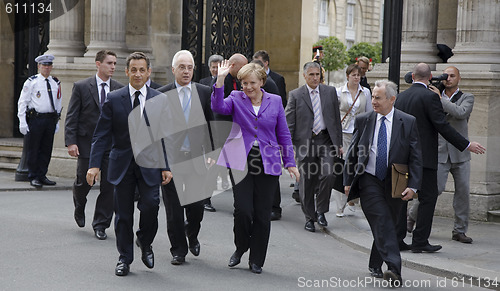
[{"x": 435, "y": 81}]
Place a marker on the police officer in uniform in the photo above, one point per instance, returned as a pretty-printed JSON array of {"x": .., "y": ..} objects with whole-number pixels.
[{"x": 39, "y": 108}]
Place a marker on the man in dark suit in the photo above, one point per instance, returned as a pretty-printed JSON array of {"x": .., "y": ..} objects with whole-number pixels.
[
  {"x": 425, "y": 105},
  {"x": 383, "y": 137},
  {"x": 263, "y": 56},
  {"x": 313, "y": 118},
  {"x": 213, "y": 63},
  {"x": 187, "y": 150},
  {"x": 83, "y": 112},
  {"x": 113, "y": 131}
]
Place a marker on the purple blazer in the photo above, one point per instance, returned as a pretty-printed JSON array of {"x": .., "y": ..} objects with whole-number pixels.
[{"x": 269, "y": 128}]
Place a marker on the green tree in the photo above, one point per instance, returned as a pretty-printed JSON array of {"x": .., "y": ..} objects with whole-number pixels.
[
  {"x": 335, "y": 53},
  {"x": 371, "y": 51}
]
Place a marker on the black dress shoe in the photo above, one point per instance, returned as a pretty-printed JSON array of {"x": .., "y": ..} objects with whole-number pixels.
[
  {"x": 295, "y": 195},
  {"x": 147, "y": 257},
  {"x": 376, "y": 272},
  {"x": 36, "y": 183},
  {"x": 254, "y": 268},
  {"x": 322, "y": 219},
  {"x": 234, "y": 260},
  {"x": 310, "y": 226},
  {"x": 177, "y": 260},
  {"x": 100, "y": 234},
  {"x": 275, "y": 215},
  {"x": 428, "y": 248},
  {"x": 46, "y": 181},
  {"x": 394, "y": 278},
  {"x": 209, "y": 207},
  {"x": 79, "y": 216},
  {"x": 122, "y": 269},
  {"x": 404, "y": 246},
  {"x": 194, "y": 247}
]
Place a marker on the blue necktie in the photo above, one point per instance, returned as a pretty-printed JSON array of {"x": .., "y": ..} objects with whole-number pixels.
[
  {"x": 186, "y": 108},
  {"x": 381, "y": 161}
]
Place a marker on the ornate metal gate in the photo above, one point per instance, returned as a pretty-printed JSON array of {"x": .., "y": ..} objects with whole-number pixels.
[{"x": 229, "y": 29}]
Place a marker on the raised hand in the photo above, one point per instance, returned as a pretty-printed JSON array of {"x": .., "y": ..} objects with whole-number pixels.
[{"x": 223, "y": 70}]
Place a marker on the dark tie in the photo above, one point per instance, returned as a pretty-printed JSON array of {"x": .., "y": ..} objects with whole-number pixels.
[
  {"x": 381, "y": 161},
  {"x": 103, "y": 93},
  {"x": 49, "y": 90},
  {"x": 136, "y": 99}
]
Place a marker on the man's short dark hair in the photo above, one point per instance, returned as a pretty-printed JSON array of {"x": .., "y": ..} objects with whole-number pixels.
[
  {"x": 138, "y": 56},
  {"x": 102, "y": 54},
  {"x": 263, "y": 54}
]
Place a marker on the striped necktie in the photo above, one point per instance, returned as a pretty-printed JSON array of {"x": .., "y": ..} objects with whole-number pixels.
[{"x": 316, "y": 110}]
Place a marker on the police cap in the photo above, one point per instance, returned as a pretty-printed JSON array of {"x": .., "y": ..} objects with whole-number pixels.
[{"x": 45, "y": 59}]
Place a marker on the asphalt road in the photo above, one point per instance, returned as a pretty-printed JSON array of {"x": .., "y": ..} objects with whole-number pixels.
[{"x": 41, "y": 248}]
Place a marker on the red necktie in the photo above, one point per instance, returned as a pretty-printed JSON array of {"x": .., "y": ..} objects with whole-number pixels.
[{"x": 234, "y": 85}]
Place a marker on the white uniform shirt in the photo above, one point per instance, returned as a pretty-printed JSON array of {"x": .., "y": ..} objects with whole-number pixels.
[{"x": 35, "y": 96}]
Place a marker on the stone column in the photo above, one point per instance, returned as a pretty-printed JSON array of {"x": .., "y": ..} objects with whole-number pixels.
[
  {"x": 67, "y": 31},
  {"x": 478, "y": 32},
  {"x": 107, "y": 27},
  {"x": 418, "y": 42}
]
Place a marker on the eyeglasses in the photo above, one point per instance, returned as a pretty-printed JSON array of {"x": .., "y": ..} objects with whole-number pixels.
[{"x": 184, "y": 68}]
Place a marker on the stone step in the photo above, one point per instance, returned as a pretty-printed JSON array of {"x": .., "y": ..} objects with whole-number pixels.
[
  {"x": 11, "y": 144},
  {"x": 494, "y": 215},
  {"x": 7, "y": 156},
  {"x": 10, "y": 167}
]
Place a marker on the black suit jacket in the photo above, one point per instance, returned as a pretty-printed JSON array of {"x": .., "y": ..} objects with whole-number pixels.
[
  {"x": 426, "y": 106},
  {"x": 154, "y": 85},
  {"x": 280, "y": 82},
  {"x": 113, "y": 129},
  {"x": 198, "y": 130},
  {"x": 404, "y": 148},
  {"x": 83, "y": 113},
  {"x": 270, "y": 86},
  {"x": 207, "y": 81}
]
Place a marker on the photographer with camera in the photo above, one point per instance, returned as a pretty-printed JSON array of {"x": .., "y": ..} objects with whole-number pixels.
[
  {"x": 426, "y": 106},
  {"x": 458, "y": 106}
]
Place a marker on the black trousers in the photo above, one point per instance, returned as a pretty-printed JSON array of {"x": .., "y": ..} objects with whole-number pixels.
[
  {"x": 382, "y": 212},
  {"x": 427, "y": 198},
  {"x": 253, "y": 199},
  {"x": 103, "y": 212},
  {"x": 148, "y": 205},
  {"x": 177, "y": 229},
  {"x": 39, "y": 142}
]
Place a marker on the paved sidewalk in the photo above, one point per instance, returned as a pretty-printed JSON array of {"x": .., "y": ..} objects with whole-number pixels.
[{"x": 477, "y": 263}]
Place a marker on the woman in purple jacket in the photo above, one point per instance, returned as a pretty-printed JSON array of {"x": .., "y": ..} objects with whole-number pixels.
[{"x": 260, "y": 132}]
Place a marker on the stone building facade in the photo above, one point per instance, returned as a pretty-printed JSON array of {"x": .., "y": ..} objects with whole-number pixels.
[{"x": 286, "y": 29}]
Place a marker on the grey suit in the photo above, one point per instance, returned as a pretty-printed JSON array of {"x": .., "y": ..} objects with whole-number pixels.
[
  {"x": 314, "y": 152},
  {"x": 450, "y": 159},
  {"x": 81, "y": 119}
]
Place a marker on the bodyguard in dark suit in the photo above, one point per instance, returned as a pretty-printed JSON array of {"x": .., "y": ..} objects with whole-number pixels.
[
  {"x": 152, "y": 84},
  {"x": 313, "y": 118},
  {"x": 113, "y": 131},
  {"x": 190, "y": 106},
  {"x": 425, "y": 105},
  {"x": 213, "y": 63},
  {"x": 381, "y": 138},
  {"x": 83, "y": 112}
]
